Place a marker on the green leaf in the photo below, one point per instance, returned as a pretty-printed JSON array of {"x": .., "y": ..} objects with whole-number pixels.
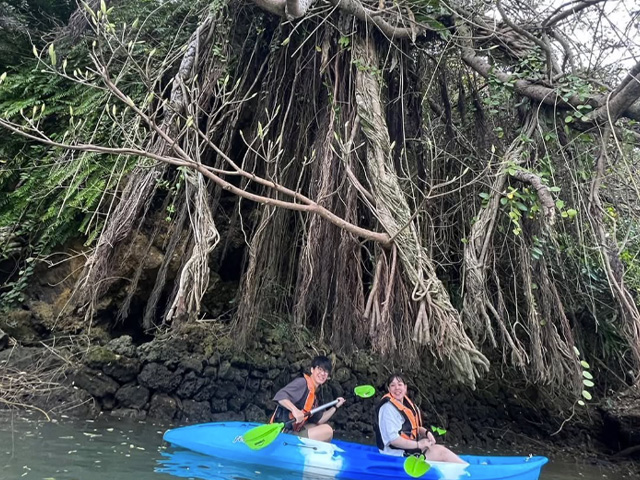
[
  {"x": 572, "y": 212},
  {"x": 52, "y": 55},
  {"x": 588, "y": 383},
  {"x": 434, "y": 24},
  {"x": 569, "y": 119},
  {"x": 580, "y": 402},
  {"x": 584, "y": 364},
  {"x": 560, "y": 204},
  {"x": 586, "y": 395},
  {"x": 576, "y": 351},
  {"x": 35, "y": 52},
  {"x": 586, "y": 374},
  {"x": 484, "y": 195}
]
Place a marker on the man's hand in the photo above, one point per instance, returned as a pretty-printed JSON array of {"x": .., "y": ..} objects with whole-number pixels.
[{"x": 298, "y": 415}]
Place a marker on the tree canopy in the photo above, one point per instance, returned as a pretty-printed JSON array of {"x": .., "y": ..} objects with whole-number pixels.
[{"x": 447, "y": 182}]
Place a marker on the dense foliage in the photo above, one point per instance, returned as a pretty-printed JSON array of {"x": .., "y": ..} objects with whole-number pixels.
[{"x": 433, "y": 183}]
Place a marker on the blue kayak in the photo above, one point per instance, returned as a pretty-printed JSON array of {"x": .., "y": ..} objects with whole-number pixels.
[{"x": 339, "y": 459}]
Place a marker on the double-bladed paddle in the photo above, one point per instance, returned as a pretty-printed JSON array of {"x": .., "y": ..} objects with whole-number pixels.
[{"x": 261, "y": 436}]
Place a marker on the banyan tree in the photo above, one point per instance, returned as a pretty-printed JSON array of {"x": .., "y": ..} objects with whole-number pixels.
[{"x": 451, "y": 182}]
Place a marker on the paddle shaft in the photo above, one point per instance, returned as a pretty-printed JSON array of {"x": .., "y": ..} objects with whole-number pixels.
[{"x": 312, "y": 412}]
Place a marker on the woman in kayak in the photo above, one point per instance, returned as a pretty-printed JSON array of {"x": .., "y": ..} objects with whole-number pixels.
[
  {"x": 399, "y": 429},
  {"x": 299, "y": 397}
]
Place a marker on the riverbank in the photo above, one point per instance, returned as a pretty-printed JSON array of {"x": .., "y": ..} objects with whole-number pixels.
[{"x": 196, "y": 375}]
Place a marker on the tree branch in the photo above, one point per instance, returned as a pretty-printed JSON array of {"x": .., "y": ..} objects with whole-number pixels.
[
  {"x": 308, "y": 206},
  {"x": 558, "y": 16},
  {"x": 544, "y": 194},
  {"x": 627, "y": 105},
  {"x": 620, "y": 100}
]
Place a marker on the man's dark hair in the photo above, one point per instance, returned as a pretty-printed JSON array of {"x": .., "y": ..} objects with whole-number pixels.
[{"x": 322, "y": 362}]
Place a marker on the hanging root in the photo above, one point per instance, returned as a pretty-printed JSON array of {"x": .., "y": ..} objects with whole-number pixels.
[
  {"x": 380, "y": 305},
  {"x": 95, "y": 278},
  {"x": 479, "y": 311},
  {"x": 438, "y": 324},
  {"x": 141, "y": 187},
  {"x": 177, "y": 234},
  {"x": 329, "y": 287},
  {"x": 194, "y": 277},
  {"x": 611, "y": 260}
]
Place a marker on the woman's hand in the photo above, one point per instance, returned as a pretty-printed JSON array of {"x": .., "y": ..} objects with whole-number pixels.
[
  {"x": 431, "y": 438},
  {"x": 424, "y": 444},
  {"x": 341, "y": 401}
]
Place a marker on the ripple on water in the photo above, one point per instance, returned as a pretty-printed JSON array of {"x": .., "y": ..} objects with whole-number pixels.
[{"x": 113, "y": 449}]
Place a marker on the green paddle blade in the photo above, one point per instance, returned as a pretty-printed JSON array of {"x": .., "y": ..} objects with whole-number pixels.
[
  {"x": 261, "y": 436},
  {"x": 364, "y": 391},
  {"x": 416, "y": 466}
]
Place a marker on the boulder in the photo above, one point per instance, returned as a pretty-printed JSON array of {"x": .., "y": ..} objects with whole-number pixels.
[
  {"x": 163, "y": 407},
  {"x": 193, "y": 362},
  {"x": 196, "y": 412},
  {"x": 94, "y": 382},
  {"x": 158, "y": 377},
  {"x": 97, "y": 357},
  {"x": 219, "y": 405},
  {"x": 123, "y": 346},
  {"x": 253, "y": 413},
  {"x": 158, "y": 351},
  {"x": 123, "y": 369},
  {"x": 191, "y": 385},
  {"x": 132, "y": 396}
]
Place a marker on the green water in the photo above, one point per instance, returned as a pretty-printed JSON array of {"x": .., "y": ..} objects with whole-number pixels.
[{"x": 112, "y": 449}]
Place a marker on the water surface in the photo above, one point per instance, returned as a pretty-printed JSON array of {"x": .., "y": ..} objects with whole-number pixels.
[{"x": 113, "y": 449}]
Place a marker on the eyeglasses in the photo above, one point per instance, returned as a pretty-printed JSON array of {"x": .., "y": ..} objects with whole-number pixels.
[{"x": 322, "y": 370}]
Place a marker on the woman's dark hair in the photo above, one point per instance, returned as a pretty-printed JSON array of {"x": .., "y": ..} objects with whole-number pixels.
[
  {"x": 394, "y": 376},
  {"x": 322, "y": 362}
]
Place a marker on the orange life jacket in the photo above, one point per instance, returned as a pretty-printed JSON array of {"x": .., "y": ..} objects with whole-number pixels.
[
  {"x": 306, "y": 404},
  {"x": 412, "y": 415}
]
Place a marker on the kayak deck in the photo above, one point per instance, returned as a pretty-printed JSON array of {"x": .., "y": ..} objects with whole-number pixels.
[{"x": 339, "y": 459}]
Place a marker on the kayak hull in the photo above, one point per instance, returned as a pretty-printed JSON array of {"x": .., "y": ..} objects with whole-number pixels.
[{"x": 339, "y": 459}]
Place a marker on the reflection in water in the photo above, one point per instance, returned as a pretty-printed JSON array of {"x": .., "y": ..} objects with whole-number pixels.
[
  {"x": 112, "y": 449},
  {"x": 187, "y": 464}
]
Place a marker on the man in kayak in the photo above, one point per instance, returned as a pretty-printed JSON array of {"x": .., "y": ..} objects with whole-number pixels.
[
  {"x": 299, "y": 397},
  {"x": 399, "y": 429}
]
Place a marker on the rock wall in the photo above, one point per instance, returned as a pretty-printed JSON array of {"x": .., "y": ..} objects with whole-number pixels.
[
  {"x": 198, "y": 376},
  {"x": 178, "y": 381}
]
